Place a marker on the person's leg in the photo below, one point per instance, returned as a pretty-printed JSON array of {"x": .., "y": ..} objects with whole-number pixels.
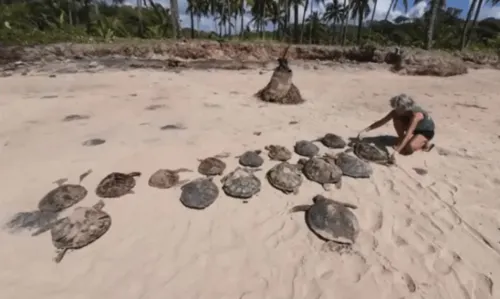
[{"x": 417, "y": 142}]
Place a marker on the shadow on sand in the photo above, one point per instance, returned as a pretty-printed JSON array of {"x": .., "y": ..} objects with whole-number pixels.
[{"x": 381, "y": 141}]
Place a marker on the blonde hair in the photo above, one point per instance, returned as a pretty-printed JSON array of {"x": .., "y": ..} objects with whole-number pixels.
[{"x": 402, "y": 101}]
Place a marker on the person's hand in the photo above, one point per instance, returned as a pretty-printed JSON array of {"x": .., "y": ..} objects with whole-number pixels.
[{"x": 392, "y": 158}]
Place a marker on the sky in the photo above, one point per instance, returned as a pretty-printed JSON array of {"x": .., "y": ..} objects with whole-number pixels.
[{"x": 414, "y": 11}]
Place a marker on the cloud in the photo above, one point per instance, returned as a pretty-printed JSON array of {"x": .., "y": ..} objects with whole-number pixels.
[{"x": 416, "y": 11}]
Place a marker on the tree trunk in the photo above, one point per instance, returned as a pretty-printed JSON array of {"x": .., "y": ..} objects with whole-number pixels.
[
  {"x": 229, "y": 14},
  {"x": 303, "y": 22},
  {"x": 467, "y": 20},
  {"x": 191, "y": 15},
  {"x": 242, "y": 24},
  {"x": 86, "y": 4},
  {"x": 432, "y": 23},
  {"x": 174, "y": 14},
  {"x": 310, "y": 27},
  {"x": 296, "y": 22},
  {"x": 344, "y": 26},
  {"x": 375, "y": 2},
  {"x": 361, "y": 13},
  {"x": 474, "y": 22},
  {"x": 389, "y": 10}
]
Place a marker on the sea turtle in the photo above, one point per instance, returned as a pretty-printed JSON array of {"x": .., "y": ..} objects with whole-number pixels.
[
  {"x": 331, "y": 220},
  {"x": 166, "y": 178},
  {"x": 322, "y": 171},
  {"x": 199, "y": 193},
  {"x": 241, "y": 183},
  {"x": 278, "y": 153},
  {"x": 370, "y": 152},
  {"x": 82, "y": 227},
  {"x": 280, "y": 89},
  {"x": 332, "y": 141},
  {"x": 63, "y": 196},
  {"x": 49, "y": 207},
  {"x": 212, "y": 165},
  {"x": 352, "y": 166},
  {"x": 116, "y": 184},
  {"x": 306, "y": 148},
  {"x": 285, "y": 177},
  {"x": 251, "y": 159}
]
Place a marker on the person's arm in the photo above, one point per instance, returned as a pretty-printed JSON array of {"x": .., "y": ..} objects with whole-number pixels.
[
  {"x": 380, "y": 122},
  {"x": 413, "y": 124}
]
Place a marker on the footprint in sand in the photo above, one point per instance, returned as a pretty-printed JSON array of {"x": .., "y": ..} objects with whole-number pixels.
[
  {"x": 155, "y": 107},
  {"x": 375, "y": 219},
  {"x": 93, "y": 142},
  {"x": 483, "y": 287},
  {"x": 445, "y": 261},
  {"x": 406, "y": 281},
  {"x": 73, "y": 117},
  {"x": 173, "y": 127},
  {"x": 52, "y": 96}
]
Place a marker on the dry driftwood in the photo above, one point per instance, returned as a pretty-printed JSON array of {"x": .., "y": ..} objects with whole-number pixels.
[{"x": 280, "y": 89}]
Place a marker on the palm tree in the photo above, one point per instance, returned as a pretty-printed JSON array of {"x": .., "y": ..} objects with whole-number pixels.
[
  {"x": 333, "y": 14},
  {"x": 466, "y": 24},
  {"x": 361, "y": 10},
  {"x": 474, "y": 22},
  {"x": 317, "y": 2},
  {"x": 432, "y": 22}
]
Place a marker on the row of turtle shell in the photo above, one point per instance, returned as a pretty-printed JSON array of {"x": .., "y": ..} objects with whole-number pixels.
[
  {"x": 242, "y": 183},
  {"x": 87, "y": 224}
]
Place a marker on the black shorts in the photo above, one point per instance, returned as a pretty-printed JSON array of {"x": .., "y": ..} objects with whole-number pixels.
[{"x": 426, "y": 133}]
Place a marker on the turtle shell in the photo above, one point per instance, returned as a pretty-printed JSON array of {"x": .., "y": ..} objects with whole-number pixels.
[
  {"x": 199, "y": 193},
  {"x": 84, "y": 226},
  {"x": 241, "y": 183},
  {"x": 62, "y": 197},
  {"x": 332, "y": 141},
  {"x": 371, "y": 152},
  {"x": 166, "y": 178},
  {"x": 251, "y": 159},
  {"x": 306, "y": 148},
  {"x": 323, "y": 172},
  {"x": 278, "y": 153},
  {"x": 116, "y": 184},
  {"x": 332, "y": 220},
  {"x": 353, "y": 166},
  {"x": 285, "y": 177},
  {"x": 211, "y": 166}
]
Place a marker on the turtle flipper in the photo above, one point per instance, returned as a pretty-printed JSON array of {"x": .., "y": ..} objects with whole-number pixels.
[
  {"x": 299, "y": 208},
  {"x": 134, "y": 174},
  {"x": 46, "y": 228},
  {"x": 182, "y": 182},
  {"x": 84, "y": 175},
  {"x": 222, "y": 155},
  {"x": 59, "y": 182},
  {"x": 327, "y": 187},
  {"x": 182, "y": 170},
  {"x": 60, "y": 255},
  {"x": 347, "y": 205},
  {"x": 338, "y": 184}
]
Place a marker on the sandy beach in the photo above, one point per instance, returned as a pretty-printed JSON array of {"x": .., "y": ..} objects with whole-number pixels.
[{"x": 433, "y": 236}]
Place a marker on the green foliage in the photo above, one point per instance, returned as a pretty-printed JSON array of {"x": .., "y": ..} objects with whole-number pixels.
[{"x": 49, "y": 21}]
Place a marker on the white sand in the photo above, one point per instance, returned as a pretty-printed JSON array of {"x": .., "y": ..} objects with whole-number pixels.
[{"x": 425, "y": 229}]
